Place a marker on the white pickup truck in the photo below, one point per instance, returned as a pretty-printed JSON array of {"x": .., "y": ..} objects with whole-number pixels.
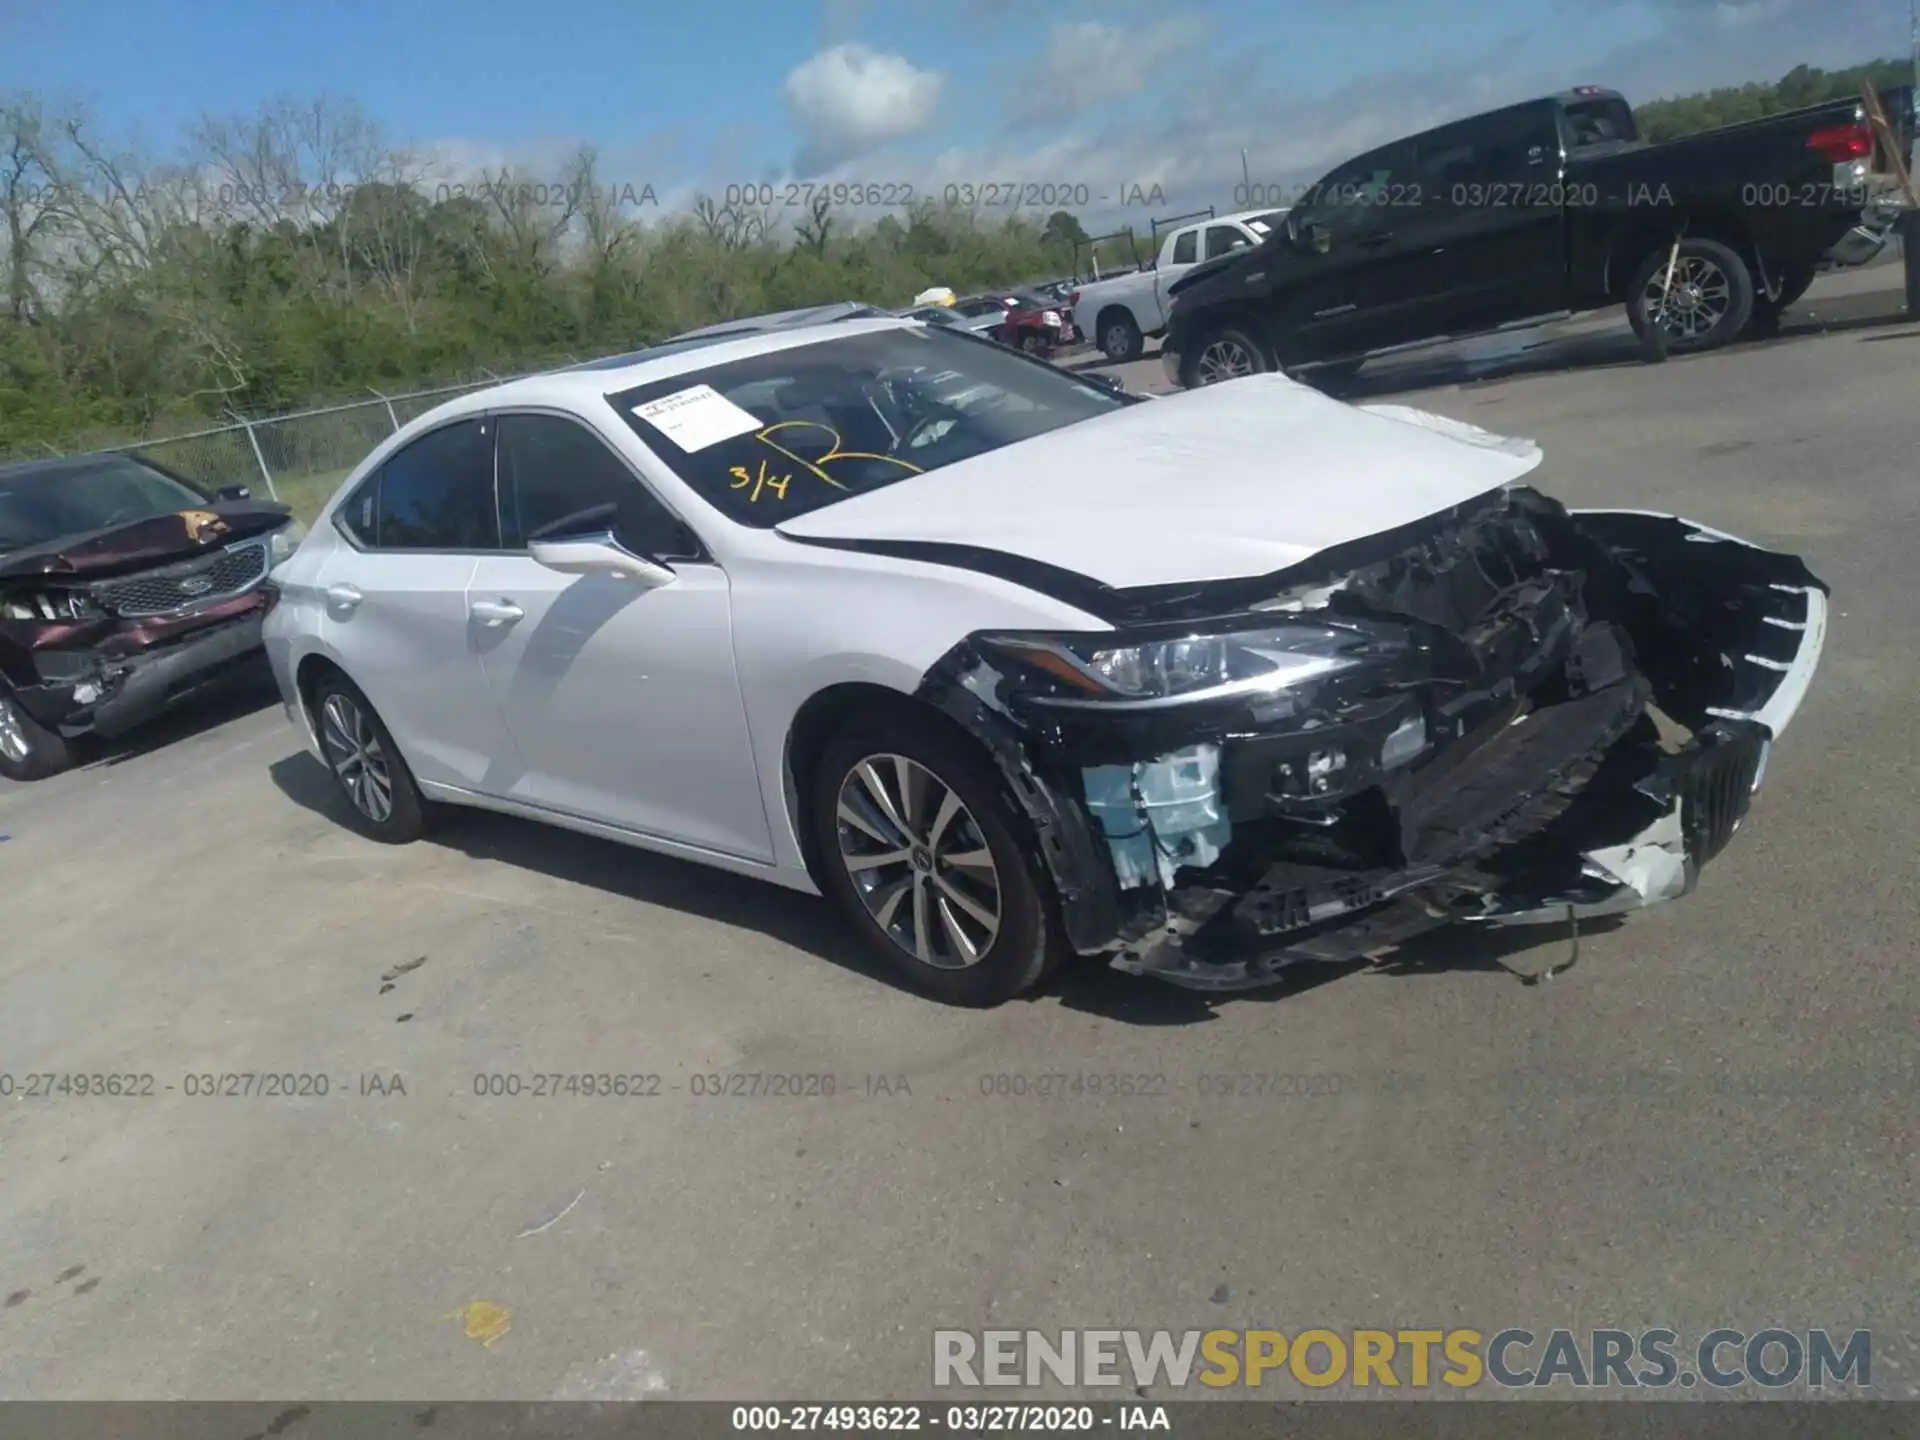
[{"x": 1119, "y": 314}]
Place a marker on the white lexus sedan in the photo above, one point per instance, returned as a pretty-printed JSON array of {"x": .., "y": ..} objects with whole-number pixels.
[{"x": 1013, "y": 667}]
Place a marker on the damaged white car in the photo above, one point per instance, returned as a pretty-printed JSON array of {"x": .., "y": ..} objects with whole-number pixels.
[{"x": 1015, "y": 668}]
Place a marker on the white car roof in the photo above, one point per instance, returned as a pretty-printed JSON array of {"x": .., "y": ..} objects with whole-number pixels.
[{"x": 581, "y": 386}]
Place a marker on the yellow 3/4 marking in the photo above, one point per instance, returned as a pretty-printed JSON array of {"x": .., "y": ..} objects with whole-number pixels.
[
  {"x": 818, "y": 467},
  {"x": 759, "y": 482}
]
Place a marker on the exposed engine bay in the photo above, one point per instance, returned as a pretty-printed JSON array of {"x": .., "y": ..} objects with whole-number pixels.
[{"x": 1503, "y": 714}]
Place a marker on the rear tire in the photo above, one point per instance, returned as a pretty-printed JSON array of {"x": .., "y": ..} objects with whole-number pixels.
[
  {"x": 943, "y": 887},
  {"x": 1119, "y": 337},
  {"x": 29, "y": 750},
  {"x": 383, "y": 801},
  {"x": 1712, "y": 297}
]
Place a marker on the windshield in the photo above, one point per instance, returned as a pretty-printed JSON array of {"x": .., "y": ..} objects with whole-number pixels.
[
  {"x": 45, "y": 503},
  {"x": 768, "y": 438}
]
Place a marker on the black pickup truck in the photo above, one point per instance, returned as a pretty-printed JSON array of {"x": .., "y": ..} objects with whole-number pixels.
[{"x": 1542, "y": 209}]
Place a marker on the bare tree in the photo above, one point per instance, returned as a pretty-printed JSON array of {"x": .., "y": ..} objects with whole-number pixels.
[
  {"x": 27, "y": 196},
  {"x": 813, "y": 233}
]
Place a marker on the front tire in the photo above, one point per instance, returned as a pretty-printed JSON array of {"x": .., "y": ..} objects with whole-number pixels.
[
  {"x": 1709, "y": 304},
  {"x": 1227, "y": 354},
  {"x": 28, "y": 749},
  {"x": 929, "y": 860},
  {"x": 383, "y": 802}
]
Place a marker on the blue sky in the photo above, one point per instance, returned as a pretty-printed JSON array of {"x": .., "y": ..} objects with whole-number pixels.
[{"x": 1094, "y": 93}]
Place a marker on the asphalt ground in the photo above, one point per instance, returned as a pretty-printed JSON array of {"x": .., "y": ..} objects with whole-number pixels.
[{"x": 1708, "y": 1122}]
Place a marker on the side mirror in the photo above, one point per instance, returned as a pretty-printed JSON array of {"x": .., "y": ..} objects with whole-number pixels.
[
  {"x": 585, "y": 544},
  {"x": 233, "y": 492},
  {"x": 599, "y": 554},
  {"x": 1312, "y": 235}
]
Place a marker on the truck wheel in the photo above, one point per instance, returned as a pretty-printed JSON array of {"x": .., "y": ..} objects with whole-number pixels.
[
  {"x": 28, "y": 750},
  {"x": 1223, "y": 355},
  {"x": 1120, "y": 338},
  {"x": 1710, "y": 302}
]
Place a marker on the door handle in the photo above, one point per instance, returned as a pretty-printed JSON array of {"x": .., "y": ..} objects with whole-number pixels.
[
  {"x": 1374, "y": 242},
  {"x": 343, "y": 597},
  {"x": 495, "y": 612}
]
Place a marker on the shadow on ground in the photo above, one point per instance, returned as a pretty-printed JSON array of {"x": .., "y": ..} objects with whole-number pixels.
[
  {"x": 245, "y": 693},
  {"x": 801, "y": 921},
  {"x": 811, "y": 925}
]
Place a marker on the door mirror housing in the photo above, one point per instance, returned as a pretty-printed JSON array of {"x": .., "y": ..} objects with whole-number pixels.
[
  {"x": 233, "y": 492},
  {"x": 585, "y": 544},
  {"x": 598, "y": 554}
]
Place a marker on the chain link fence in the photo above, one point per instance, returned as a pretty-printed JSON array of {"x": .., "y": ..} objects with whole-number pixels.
[{"x": 299, "y": 458}]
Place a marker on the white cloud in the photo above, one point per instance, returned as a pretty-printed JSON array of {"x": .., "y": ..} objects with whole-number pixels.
[
  {"x": 850, "y": 100},
  {"x": 1089, "y": 64},
  {"x": 1188, "y": 140}
]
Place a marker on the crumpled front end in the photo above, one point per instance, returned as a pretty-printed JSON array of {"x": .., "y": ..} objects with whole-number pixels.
[{"x": 1510, "y": 713}]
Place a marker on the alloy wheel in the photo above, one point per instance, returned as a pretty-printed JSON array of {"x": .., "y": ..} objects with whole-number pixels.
[
  {"x": 354, "y": 748},
  {"x": 1224, "y": 360},
  {"x": 918, "y": 861},
  {"x": 1119, "y": 340},
  {"x": 1697, "y": 300},
  {"x": 13, "y": 734}
]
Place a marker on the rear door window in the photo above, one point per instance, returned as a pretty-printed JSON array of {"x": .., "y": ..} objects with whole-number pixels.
[
  {"x": 1186, "y": 248},
  {"x": 434, "y": 494}
]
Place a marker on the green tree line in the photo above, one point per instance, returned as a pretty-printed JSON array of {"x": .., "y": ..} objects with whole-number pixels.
[{"x": 1730, "y": 105}]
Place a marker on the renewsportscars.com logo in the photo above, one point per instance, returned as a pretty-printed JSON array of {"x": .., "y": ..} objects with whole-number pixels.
[{"x": 1722, "y": 1359}]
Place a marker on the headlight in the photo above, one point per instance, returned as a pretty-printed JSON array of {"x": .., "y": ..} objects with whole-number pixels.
[
  {"x": 284, "y": 541},
  {"x": 51, "y": 605},
  {"x": 1052, "y": 317},
  {"x": 1097, "y": 671}
]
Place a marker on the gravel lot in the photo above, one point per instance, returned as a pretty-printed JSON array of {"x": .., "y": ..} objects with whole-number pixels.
[{"x": 1708, "y": 1122}]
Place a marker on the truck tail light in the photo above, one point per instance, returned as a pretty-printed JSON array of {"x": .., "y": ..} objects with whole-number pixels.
[
  {"x": 1073, "y": 297},
  {"x": 1838, "y": 144}
]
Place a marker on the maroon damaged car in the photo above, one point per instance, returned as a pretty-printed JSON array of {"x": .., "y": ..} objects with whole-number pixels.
[{"x": 124, "y": 589}]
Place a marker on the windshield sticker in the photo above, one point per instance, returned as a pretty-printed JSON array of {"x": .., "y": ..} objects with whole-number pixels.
[
  {"x": 1259, "y": 227},
  {"x": 697, "y": 418}
]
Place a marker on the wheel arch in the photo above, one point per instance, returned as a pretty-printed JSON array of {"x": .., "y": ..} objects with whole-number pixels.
[
  {"x": 308, "y": 672},
  {"x": 1114, "y": 310},
  {"x": 1655, "y": 232},
  {"x": 816, "y": 722},
  {"x": 1237, "y": 316}
]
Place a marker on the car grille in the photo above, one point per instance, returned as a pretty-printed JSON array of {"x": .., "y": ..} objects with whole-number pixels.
[{"x": 205, "y": 581}]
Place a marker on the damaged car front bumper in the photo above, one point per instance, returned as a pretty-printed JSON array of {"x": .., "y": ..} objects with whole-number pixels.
[
  {"x": 121, "y": 679},
  {"x": 1506, "y": 715}
]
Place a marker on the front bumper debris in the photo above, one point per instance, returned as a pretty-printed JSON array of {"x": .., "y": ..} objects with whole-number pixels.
[
  {"x": 1608, "y": 747},
  {"x": 108, "y": 695}
]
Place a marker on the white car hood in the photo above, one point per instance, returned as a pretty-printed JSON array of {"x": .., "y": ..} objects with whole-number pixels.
[{"x": 1230, "y": 480}]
